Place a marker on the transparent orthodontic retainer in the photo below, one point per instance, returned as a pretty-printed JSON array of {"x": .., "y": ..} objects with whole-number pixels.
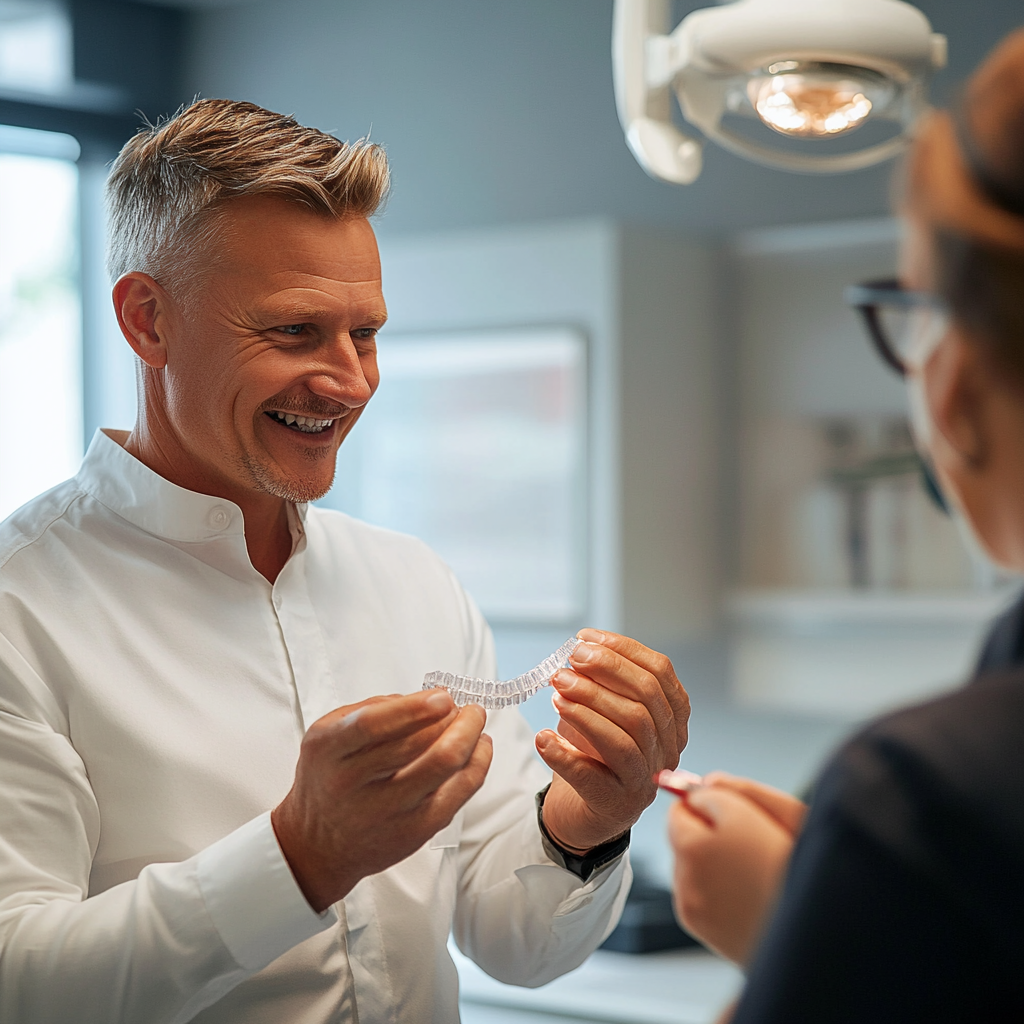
[{"x": 491, "y": 694}]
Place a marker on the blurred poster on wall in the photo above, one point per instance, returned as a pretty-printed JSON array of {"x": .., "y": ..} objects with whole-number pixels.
[{"x": 476, "y": 443}]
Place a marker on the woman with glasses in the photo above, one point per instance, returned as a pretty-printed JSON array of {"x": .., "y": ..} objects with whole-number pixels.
[{"x": 903, "y": 899}]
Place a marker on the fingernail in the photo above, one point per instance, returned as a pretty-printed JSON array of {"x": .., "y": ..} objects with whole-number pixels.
[
  {"x": 561, "y": 680},
  {"x": 594, "y": 636},
  {"x": 680, "y": 782},
  {"x": 440, "y": 701},
  {"x": 584, "y": 653}
]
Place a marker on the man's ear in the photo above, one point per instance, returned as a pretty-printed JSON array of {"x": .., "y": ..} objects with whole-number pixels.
[
  {"x": 142, "y": 308},
  {"x": 955, "y": 385}
]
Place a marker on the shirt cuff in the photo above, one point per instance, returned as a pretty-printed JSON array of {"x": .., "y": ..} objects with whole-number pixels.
[{"x": 253, "y": 898}]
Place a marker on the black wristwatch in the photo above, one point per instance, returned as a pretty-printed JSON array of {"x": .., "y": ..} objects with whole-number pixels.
[{"x": 581, "y": 865}]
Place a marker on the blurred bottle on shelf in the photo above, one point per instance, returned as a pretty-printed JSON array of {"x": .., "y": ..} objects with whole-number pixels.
[{"x": 840, "y": 503}]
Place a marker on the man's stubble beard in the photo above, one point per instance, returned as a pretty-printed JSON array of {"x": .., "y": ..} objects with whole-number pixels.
[{"x": 295, "y": 491}]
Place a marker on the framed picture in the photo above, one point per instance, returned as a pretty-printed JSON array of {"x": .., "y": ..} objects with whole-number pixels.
[{"x": 476, "y": 443}]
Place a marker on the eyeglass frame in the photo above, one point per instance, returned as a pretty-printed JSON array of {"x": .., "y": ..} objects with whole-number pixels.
[{"x": 868, "y": 296}]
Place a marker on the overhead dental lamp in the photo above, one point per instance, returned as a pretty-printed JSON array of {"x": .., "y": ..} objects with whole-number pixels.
[{"x": 808, "y": 69}]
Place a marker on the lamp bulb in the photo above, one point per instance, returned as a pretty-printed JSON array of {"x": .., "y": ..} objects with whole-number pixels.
[{"x": 816, "y": 100}]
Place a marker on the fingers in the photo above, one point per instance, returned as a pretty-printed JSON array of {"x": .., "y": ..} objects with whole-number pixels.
[
  {"x": 726, "y": 809},
  {"x": 379, "y": 720},
  {"x": 645, "y": 716},
  {"x": 787, "y": 810},
  {"x": 654, "y": 667},
  {"x": 451, "y": 753},
  {"x": 384, "y": 760},
  {"x": 716, "y": 805},
  {"x": 685, "y": 828},
  {"x": 629, "y": 758},
  {"x": 613, "y": 675},
  {"x": 577, "y": 739},
  {"x": 585, "y": 774},
  {"x": 443, "y": 803}
]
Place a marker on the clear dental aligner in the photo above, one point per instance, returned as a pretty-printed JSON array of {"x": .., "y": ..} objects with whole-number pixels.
[{"x": 492, "y": 694}]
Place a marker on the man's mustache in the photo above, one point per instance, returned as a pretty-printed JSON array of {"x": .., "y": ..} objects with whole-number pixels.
[{"x": 308, "y": 407}]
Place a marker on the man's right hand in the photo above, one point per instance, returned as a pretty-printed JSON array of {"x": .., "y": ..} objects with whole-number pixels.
[{"x": 374, "y": 782}]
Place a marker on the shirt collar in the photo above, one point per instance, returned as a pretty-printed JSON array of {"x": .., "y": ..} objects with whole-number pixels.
[{"x": 131, "y": 489}]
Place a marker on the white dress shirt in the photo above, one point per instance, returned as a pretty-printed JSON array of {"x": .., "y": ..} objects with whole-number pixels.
[{"x": 154, "y": 689}]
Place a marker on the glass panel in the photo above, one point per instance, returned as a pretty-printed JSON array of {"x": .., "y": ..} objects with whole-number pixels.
[
  {"x": 476, "y": 444},
  {"x": 40, "y": 327}
]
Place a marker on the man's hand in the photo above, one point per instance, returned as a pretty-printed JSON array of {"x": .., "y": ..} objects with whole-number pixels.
[
  {"x": 732, "y": 839},
  {"x": 623, "y": 718},
  {"x": 374, "y": 782}
]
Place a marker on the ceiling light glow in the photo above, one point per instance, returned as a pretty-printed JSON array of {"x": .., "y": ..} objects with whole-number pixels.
[{"x": 816, "y": 101}]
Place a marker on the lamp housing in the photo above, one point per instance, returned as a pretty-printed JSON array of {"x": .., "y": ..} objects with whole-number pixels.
[{"x": 807, "y": 69}]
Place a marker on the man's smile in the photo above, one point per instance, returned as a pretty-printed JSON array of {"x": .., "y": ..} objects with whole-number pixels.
[{"x": 303, "y": 424}]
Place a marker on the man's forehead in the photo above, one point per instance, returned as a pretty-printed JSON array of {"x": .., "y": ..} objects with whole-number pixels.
[
  {"x": 279, "y": 237},
  {"x": 320, "y": 303}
]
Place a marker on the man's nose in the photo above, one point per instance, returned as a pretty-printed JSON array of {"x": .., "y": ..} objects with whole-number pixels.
[{"x": 340, "y": 375}]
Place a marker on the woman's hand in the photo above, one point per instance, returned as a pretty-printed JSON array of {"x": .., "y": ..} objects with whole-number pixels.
[{"x": 732, "y": 839}]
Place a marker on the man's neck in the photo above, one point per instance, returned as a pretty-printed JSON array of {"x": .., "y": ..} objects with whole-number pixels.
[{"x": 268, "y": 537}]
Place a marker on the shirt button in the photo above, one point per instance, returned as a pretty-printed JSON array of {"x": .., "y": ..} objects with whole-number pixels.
[{"x": 219, "y": 517}]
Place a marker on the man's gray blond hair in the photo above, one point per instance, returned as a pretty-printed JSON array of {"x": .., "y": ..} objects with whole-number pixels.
[{"x": 171, "y": 180}]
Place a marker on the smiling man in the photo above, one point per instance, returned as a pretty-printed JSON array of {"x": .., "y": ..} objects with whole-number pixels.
[
  {"x": 252, "y": 381},
  {"x": 223, "y": 796}
]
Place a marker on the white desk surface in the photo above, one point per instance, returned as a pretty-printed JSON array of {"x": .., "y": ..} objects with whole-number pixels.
[{"x": 675, "y": 987}]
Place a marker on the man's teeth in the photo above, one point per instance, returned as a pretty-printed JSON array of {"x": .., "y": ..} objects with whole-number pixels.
[{"x": 306, "y": 424}]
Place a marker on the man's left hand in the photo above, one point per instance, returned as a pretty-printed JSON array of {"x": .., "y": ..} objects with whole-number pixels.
[{"x": 623, "y": 717}]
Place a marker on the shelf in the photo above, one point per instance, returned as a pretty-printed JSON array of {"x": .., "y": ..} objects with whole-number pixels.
[
  {"x": 851, "y": 655},
  {"x": 817, "y": 609}
]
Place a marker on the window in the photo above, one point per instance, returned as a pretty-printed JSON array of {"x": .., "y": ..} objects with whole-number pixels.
[{"x": 40, "y": 314}]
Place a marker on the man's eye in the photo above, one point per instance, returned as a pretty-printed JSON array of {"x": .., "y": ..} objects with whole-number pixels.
[
  {"x": 365, "y": 334},
  {"x": 292, "y": 329}
]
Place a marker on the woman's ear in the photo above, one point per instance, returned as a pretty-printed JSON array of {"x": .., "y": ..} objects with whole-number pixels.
[
  {"x": 977, "y": 443},
  {"x": 956, "y": 383},
  {"x": 142, "y": 308}
]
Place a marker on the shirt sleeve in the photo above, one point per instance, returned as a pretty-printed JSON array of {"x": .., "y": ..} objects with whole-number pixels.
[
  {"x": 886, "y": 912},
  {"x": 522, "y": 918},
  {"x": 156, "y": 949}
]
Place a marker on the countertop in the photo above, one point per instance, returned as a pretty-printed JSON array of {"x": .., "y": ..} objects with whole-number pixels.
[{"x": 676, "y": 987}]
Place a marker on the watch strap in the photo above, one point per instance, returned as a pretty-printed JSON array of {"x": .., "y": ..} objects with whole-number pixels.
[{"x": 583, "y": 865}]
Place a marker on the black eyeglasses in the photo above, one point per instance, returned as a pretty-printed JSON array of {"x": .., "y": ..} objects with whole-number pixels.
[{"x": 905, "y": 326}]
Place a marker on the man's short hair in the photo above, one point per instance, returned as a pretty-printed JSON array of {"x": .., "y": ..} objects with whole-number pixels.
[{"x": 171, "y": 180}]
